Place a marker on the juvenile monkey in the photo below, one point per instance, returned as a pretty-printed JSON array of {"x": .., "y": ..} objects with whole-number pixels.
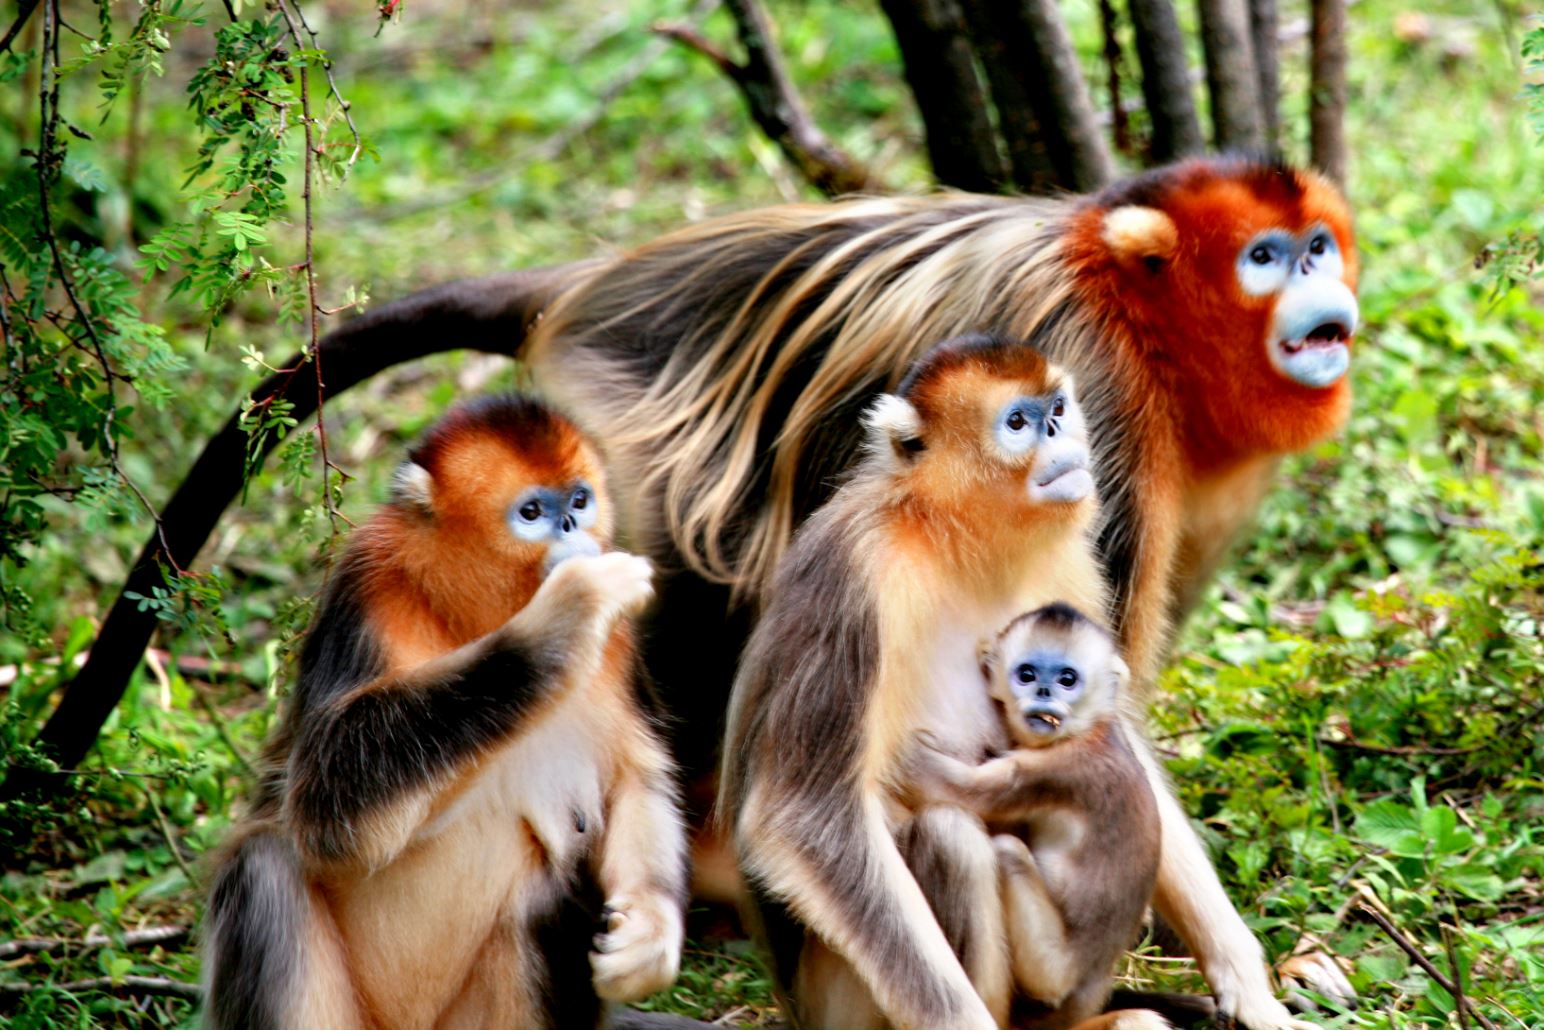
[
  {"x": 973, "y": 502},
  {"x": 1073, "y": 791},
  {"x": 467, "y": 771}
]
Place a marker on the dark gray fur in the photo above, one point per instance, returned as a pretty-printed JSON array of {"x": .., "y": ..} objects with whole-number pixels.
[
  {"x": 800, "y": 707},
  {"x": 253, "y": 932}
]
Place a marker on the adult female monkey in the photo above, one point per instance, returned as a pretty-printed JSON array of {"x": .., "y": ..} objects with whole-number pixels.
[{"x": 1205, "y": 309}]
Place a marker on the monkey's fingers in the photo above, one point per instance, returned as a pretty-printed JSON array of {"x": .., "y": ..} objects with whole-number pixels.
[
  {"x": 641, "y": 951},
  {"x": 1259, "y": 1012},
  {"x": 1317, "y": 972}
]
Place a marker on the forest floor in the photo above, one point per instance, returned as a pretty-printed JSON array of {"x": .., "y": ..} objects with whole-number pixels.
[{"x": 1354, "y": 716}]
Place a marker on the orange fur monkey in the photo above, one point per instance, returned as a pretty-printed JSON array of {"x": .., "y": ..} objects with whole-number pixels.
[
  {"x": 467, "y": 771},
  {"x": 1206, "y": 311},
  {"x": 973, "y": 502}
]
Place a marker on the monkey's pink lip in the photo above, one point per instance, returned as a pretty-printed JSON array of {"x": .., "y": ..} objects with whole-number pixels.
[{"x": 1329, "y": 334}]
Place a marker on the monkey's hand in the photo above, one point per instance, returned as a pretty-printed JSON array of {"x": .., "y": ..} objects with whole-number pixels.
[
  {"x": 580, "y": 602},
  {"x": 640, "y": 952},
  {"x": 932, "y": 775}
]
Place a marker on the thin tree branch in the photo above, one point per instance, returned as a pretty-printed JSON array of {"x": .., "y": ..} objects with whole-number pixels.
[
  {"x": 1166, "y": 88},
  {"x": 774, "y": 103},
  {"x": 23, "y": 13},
  {"x": 313, "y": 308},
  {"x": 49, "y": 156},
  {"x": 1408, "y": 947},
  {"x": 153, "y": 985},
  {"x": 1113, "y": 57},
  {"x": 332, "y": 85}
]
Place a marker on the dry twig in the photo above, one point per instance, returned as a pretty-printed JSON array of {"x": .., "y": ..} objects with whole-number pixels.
[
  {"x": 773, "y": 101},
  {"x": 150, "y": 935},
  {"x": 1408, "y": 947}
]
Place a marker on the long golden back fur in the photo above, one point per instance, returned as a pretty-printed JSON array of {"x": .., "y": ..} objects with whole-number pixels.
[{"x": 856, "y": 291}]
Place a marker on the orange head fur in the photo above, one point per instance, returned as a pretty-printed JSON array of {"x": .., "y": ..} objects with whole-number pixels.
[
  {"x": 985, "y": 436},
  {"x": 445, "y": 563},
  {"x": 1166, "y": 260}
]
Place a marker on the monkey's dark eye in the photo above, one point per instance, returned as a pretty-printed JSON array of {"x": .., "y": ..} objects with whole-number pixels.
[
  {"x": 530, "y": 511},
  {"x": 1317, "y": 245},
  {"x": 1068, "y": 678},
  {"x": 1059, "y": 408},
  {"x": 1026, "y": 673},
  {"x": 1016, "y": 421},
  {"x": 1260, "y": 255},
  {"x": 581, "y": 499}
]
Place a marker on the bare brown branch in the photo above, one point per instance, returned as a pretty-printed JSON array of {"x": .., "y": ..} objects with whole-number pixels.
[
  {"x": 773, "y": 101},
  {"x": 1408, "y": 947},
  {"x": 154, "y": 985},
  {"x": 150, "y": 935}
]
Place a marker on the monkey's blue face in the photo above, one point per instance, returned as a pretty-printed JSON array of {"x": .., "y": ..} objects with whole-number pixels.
[
  {"x": 1315, "y": 312},
  {"x": 1049, "y": 430},
  {"x": 1046, "y": 687},
  {"x": 558, "y": 518}
]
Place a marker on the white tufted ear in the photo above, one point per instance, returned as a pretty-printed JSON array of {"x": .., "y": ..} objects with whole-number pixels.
[
  {"x": 413, "y": 487},
  {"x": 1120, "y": 675},
  {"x": 894, "y": 427},
  {"x": 1145, "y": 234}
]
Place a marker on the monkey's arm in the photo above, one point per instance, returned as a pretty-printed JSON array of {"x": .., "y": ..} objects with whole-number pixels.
[
  {"x": 643, "y": 874},
  {"x": 367, "y": 766},
  {"x": 833, "y": 861},
  {"x": 1005, "y": 788},
  {"x": 1191, "y": 898}
]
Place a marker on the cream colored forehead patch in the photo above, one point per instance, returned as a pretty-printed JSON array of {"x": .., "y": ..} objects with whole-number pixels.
[{"x": 1133, "y": 232}]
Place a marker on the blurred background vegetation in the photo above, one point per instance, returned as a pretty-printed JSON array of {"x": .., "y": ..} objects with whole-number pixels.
[{"x": 1355, "y": 716}]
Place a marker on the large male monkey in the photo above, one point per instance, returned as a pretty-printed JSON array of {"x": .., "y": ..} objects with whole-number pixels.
[{"x": 467, "y": 784}]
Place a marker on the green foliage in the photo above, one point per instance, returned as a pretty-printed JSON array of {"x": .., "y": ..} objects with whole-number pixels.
[{"x": 1354, "y": 712}]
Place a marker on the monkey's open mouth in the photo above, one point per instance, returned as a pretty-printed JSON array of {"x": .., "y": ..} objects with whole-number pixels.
[
  {"x": 1043, "y": 722},
  {"x": 1326, "y": 334}
]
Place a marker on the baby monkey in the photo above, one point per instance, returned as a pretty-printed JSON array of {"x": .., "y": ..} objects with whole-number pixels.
[{"x": 1075, "y": 819}]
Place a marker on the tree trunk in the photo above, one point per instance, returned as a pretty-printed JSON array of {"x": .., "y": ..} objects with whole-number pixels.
[
  {"x": 941, "y": 71},
  {"x": 1327, "y": 89},
  {"x": 777, "y": 108},
  {"x": 1262, "y": 29},
  {"x": 1034, "y": 37},
  {"x": 1171, "y": 106},
  {"x": 1027, "y": 158},
  {"x": 1230, "y": 75}
]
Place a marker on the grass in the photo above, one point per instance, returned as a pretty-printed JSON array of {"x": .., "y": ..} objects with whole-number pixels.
[{"x": 1352, "y": 716}]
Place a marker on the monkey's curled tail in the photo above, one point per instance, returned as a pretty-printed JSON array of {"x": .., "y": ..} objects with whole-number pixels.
[{"x": 254, "y": 934}]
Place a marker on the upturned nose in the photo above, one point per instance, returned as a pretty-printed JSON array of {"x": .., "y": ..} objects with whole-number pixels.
[
  {"x": 567, "y": 524},
  {"x": 1044, "y": 693}
]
